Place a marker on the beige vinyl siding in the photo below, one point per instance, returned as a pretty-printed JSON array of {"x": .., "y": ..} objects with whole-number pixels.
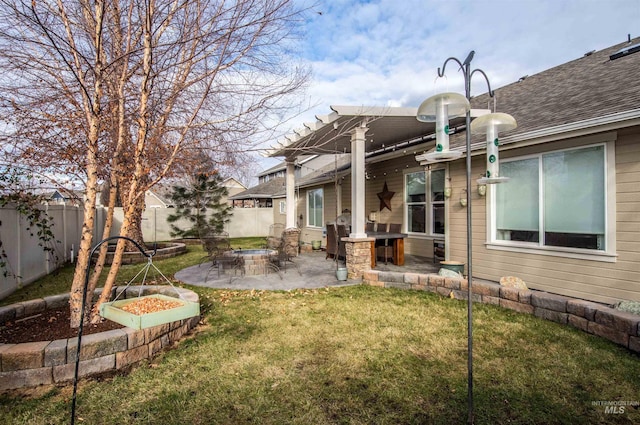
[
  {"x": 392, "y": 172},
  {"x": 600, "y": 281},
  {"x": 330, "y": 210}
]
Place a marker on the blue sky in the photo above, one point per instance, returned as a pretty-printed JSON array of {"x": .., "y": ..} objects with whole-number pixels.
[{"x": 386, "y": 52}]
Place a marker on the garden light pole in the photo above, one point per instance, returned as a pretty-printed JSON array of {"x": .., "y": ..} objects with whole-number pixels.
[{"x": 439, "y": 109}]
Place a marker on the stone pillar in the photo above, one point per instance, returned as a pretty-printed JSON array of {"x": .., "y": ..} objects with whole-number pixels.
[
  {"x": 290, "y": 191},
  {"x": 291, "y": 239},
  {"x": 358, "y": 251},
  {"x": 358, "y": 182}
]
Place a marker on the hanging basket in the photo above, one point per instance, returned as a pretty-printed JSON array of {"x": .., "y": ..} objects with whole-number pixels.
[{"x": 183, "y": 310}]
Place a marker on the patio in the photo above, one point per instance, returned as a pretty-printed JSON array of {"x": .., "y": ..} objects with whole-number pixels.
[{"x": 315, "y": 272}]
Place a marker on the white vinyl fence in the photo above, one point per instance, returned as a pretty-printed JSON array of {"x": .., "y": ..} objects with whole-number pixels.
[
  {"x": 244, "y": 222},
  {"x": 26, "y": 260}
]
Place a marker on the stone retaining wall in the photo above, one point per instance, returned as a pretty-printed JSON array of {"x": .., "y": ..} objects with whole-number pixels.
[
  {"x": 50, "y": 362},
  {"x": 617, "y": 326},
  {"x": 168, "y": 250}
]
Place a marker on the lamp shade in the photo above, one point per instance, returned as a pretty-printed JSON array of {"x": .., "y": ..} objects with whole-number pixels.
[
  {"x": 440, "y": 109},
  {"x": 491, "y": 125}
]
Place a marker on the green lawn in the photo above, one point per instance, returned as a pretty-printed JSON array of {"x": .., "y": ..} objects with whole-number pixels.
[{"x": 354, "y": 355}]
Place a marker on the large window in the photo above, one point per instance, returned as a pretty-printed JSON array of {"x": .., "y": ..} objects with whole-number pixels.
[
  {"x": 314, "y": 208},
  {"x": 555, "y": 199},
  {"x": 424, "y": 197}
]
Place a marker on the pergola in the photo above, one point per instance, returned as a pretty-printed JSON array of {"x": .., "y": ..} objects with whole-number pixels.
[{"x": 364, "y": 132}]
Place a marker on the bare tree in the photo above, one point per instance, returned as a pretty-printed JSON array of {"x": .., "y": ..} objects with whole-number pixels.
[{"x": 125, "y": 90}]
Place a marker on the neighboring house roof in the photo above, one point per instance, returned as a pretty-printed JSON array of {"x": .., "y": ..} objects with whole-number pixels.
[
  {"x": 65, "y": 195},
  {"x": 231, "y": 183},
  {"x": 162, "y": 193},
  {"x": 274, "y": 188},
  {"x": 588, "y": 92},
  {"x": 283, "y": 166}
]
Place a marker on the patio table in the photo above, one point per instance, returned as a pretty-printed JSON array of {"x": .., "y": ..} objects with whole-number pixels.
[{"x": 397, "y": 240}]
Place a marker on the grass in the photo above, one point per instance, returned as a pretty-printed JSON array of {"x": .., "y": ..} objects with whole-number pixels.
[{"x": 354, "y": 355}]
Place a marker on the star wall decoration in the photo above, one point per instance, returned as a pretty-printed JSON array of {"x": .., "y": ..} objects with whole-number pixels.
[{"x": 385, "y": 197}]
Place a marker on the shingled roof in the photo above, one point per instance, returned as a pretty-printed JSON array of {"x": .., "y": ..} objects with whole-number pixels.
[
  {"x": 579, "y": 91},
  {"x": 273, "y": 188}
]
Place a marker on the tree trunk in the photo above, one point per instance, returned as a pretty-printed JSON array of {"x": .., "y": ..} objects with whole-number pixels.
[
  {"x": 137, "y": 186},
  {"x": 92, "y": 111},
  {"x": 104, "y": 249}
]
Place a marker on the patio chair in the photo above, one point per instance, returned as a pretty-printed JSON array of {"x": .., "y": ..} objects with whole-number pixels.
[
  {"x": 342, "y": 233},
  {"x": 332, "y": 241},
  {"x": 224, "y": 261},
  {"x": 275, "y": 236},
  {"x": 392, "y": 228},
  {"x": 214, "y": 243},
  {"x": 370, "y": 226},
  {"x": 283, "y": 256}
]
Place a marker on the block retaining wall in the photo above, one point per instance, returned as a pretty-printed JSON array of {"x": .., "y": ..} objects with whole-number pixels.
[
  {"x": 168, "y": 250},
  {"x": 617, "y": 326},
  {"x": 51, "y": 362}
]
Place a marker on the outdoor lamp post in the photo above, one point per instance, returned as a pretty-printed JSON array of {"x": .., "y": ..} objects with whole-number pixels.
[{"x": 444, "y": 104}]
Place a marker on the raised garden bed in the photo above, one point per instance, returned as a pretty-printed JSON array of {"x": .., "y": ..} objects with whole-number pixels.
[{"x": 52, "y": 361}]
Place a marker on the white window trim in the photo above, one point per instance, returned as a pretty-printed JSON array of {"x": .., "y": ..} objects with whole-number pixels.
[
  {"x": 308, "y": 213},
  {"x": 428, "y": 234},
  {"x": 283, "y": 207},
  {"x": 609, "y": 255}
]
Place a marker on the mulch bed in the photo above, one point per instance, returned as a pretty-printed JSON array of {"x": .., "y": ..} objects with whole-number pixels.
[{"x": 48, "y": 326}]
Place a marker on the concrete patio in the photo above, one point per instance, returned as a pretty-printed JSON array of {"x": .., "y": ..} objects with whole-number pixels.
[{"x": 315, "y": 271}]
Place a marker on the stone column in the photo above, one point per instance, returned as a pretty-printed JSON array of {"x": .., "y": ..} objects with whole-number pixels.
[
  {"x": 358, "y": 251},
  {"x": 291, "y": 239}
]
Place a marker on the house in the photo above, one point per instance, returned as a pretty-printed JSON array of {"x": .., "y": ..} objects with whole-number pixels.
[
  {"x": 567, "y": 222},
  {"x": 256, "y": 208},
  {"x": 65, "y": 197},
  {"x": 159, "y": 196},
  {"x": 158, "y": 206},
  {"x": 304, "y": 165}
]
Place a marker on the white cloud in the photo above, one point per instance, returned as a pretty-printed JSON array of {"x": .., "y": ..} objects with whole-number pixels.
[{"x": 387, "y": 52}]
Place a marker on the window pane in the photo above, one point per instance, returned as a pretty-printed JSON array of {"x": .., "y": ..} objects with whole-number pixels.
[
  {"x": 437, "y": 185},
  {"x": 415, "y": 189},
  {"x": 517, "y": 201},
  {"x": 438, "y": 219},
  {"x": 574, "y": 191},
  {"x": 416, "y": 215},
  {"x": 315, "y": 207}
]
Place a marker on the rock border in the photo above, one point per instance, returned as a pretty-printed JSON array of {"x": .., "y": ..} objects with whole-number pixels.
[
  {"x": 617, "y": 326},
  {"x": 50, "y": 362},
  {"x": 173, "y": 249}
]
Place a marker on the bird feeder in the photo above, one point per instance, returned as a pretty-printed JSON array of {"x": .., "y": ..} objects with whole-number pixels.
[
  {"x": 491, "y": 125},
  {"x": 440, "y": 109}
]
